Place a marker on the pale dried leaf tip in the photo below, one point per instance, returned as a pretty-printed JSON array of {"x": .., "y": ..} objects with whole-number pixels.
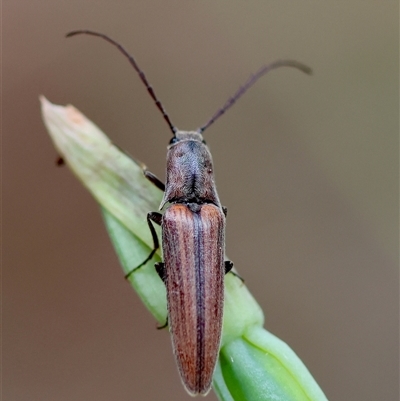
[
  {"x": 71, "y": 113},
  {"x": 67, "y": 121}
]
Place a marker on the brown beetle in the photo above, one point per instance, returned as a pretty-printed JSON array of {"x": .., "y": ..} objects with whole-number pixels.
[
  {"x": 193, "y": 240},
  {"x": 193, "y": 243}
]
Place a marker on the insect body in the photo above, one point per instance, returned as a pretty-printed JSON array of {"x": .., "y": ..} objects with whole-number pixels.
[{"x": 193, "y": 240}]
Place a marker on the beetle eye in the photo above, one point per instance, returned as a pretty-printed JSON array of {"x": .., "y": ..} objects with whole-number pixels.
[
  {"x": 173, "y": 140},
  {"x": 204, "y": 142}
]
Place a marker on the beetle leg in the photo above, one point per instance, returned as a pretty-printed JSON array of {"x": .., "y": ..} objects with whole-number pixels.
[
  {"x": 225, "y": 210},
  {"x": 164, "y": 325},
  {"x": 155, "y": 180},
  {"x": 228, "y": 266},
  {"x": 160, "y": 269},
  {"x": 228, "y": 269},
  {"x": 156, "y": 218}
]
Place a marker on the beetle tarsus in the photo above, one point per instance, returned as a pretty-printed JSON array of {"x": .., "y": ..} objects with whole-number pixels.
[
  {"x": 156, "y": 218},
  {"x": 164, "y": 325},
  {"x": 228, "y": 269}
]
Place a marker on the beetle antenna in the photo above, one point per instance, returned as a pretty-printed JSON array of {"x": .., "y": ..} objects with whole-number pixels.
[
  {"x": 135, "y": 66},
  {"x": 250, "y": 82}
]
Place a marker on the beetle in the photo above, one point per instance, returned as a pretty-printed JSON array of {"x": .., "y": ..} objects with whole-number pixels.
[{"x": 193, "y": 239}]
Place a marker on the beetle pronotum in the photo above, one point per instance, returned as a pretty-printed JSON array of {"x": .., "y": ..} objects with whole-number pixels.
[{"x": 193, "y": 239}]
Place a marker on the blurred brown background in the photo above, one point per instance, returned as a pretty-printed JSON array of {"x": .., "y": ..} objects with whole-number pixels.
[{"x": 308, "y": 168}]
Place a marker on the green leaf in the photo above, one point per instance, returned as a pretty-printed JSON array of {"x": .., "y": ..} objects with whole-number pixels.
[{"x": 254, "y": 365}]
